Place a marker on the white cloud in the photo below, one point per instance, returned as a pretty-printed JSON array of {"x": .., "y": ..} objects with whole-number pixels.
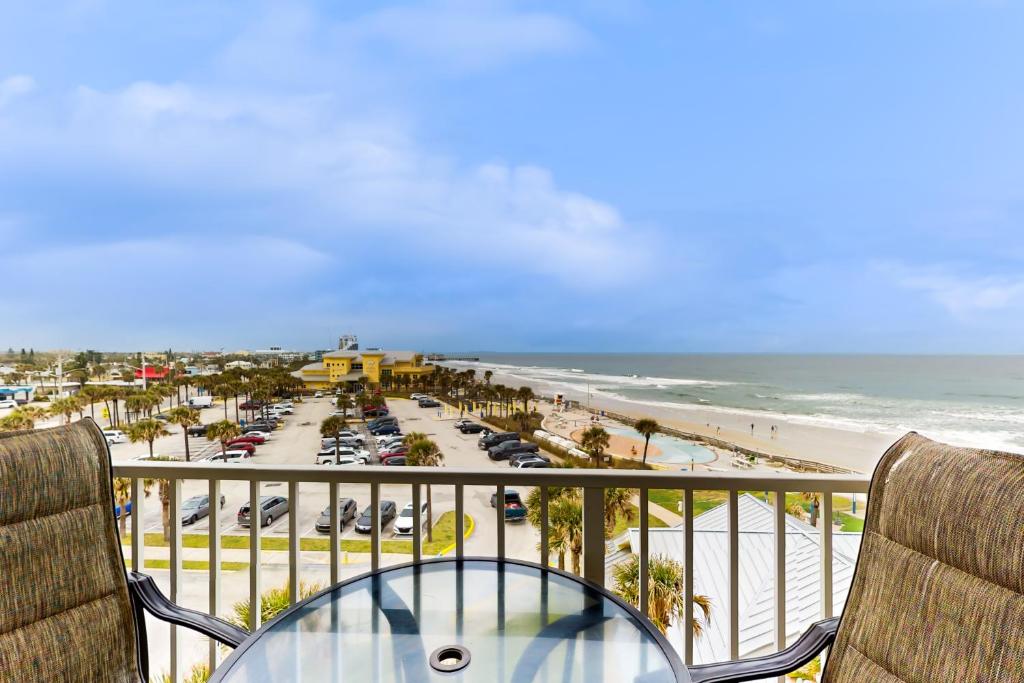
[
  {"x": 360, "y": 172},
  {"x": 15, "y": 86},
  {"x": 960, "y": 294},
  {"x": 468, "y": 36}
]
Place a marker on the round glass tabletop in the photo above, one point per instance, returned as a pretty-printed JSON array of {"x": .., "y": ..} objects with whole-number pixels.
[{"x": 458, "y": 620}]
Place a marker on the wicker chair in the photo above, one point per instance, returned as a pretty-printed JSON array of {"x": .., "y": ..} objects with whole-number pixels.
[
  {"x": 68, "y": 610},
  {"x": 938, "y": 593}
]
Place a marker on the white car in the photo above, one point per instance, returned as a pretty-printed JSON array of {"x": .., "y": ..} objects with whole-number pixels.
[
  {"x": 231, "y": 457},
  {"x": 326, "y": 457},
  {"x": 318, "y": 394},
  {"x": 389, "y": 440},
  {"x": 114, "y": 436},
  {"x": 286, "y": 404},
  {"x": 404, "y": 522},
  {"x": 417, "y": 397},
  {"x": 8, "y": 403},
  {"x": 266, "y": 436}
]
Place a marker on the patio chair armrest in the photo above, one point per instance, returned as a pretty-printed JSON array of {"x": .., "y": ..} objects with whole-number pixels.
[
  {"x": 815, "y": 639},
  {"x": 146, "y": 595}
]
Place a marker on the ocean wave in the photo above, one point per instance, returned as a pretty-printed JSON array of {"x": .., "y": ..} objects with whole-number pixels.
[{"x": 827, "y": 397}]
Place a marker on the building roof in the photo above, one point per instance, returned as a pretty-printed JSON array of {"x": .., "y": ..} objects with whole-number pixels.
[
  {"x": 756, "y": 575},
  {"x": 342, "y": 354},
  {"x": 389, "y": 356},
  {"x": 152, "y": 373}
]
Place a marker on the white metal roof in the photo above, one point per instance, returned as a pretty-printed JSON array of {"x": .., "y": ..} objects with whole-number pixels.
[{"x": 756, "y": 575}]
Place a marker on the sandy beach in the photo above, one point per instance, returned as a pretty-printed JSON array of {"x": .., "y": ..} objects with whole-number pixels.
[{"x": 855, "y": 450}]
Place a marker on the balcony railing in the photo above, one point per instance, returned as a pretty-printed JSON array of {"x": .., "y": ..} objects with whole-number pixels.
[{"x": 592, "y": 481}]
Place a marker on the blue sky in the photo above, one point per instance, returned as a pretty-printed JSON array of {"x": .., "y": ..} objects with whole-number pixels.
[{"x": 593, "y": 175}]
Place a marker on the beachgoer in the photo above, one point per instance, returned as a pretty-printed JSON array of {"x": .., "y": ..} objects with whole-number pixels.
[{"x": 751, "y": 428}]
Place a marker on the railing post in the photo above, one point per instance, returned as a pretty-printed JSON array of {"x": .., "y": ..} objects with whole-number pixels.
[
  {"x": 688, "y": 577},
  {"x": 825, "y": 520},
  {"x": 334, "y": 520},
  {"x": 460, "y": 522},
  {"x": 499, "y": 504},
  {"x": 375, "y": 527},
  {"x": 215, "y": 554},
  {"x": 593, "y": 534},
  {"x": 174, "y": 512},
  {"x": 545, "y": 550},
  {"x": 780, "y": 572},
  {"x": 293, "y": 542},
  {"x": 644, "y": 553},
  {"x": 138, "y": 529},
  {"x": 417, "y": 520},
  {"x": 255, "y": 573},
  {"x": 734, "y": 575}
]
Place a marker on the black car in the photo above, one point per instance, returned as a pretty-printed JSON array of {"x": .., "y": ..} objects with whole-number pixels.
[
  {"x": 197, "y": 430},
  {"x": 494, "y": 439},
  {"x": 472, "y": 428},
  {"x": 388, "y": 511},
  {"x": 398, "y": 461},
  {"x": 380, "y": 421},
  {"x": 375, "y": 412},
  {"x": 384, "y": 430},
  {"x": 347, "y": 509},
  {"x": 506, "y": 448},
  {"x": 428, "y": 403},
  {"x": 526, "y": 455}
]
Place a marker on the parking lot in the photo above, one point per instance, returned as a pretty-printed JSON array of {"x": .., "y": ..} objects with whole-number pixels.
[{"x": 297, "y": 442}]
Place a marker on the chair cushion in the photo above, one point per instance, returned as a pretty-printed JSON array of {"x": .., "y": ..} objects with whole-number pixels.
[
  {"x": 65, "y": 614},
  {"x": 937, "y": 595}
]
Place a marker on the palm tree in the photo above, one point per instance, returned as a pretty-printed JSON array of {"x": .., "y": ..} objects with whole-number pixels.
[
  {"x": 618, "y": 502},
  {"x": 148, "y": 430},
  {"x": 646, "y": 428},
  {"x": 594, "y": 440},
  {"x": 66, "y": 406},
  {"x": 565, "y": 530},
  {"x": 814, "y": 499},
  {"x": 90, "y": 395},
  {"x": 164, "y": 492},
  {"x": 425, "y": 453},
  {"x": 123, "y": 494},
  {"x": 332, "y": 426},
  {"x": 184, "y": 417},
  {"x": 487, "y": 376},
  {"x": 223, "y": 431},
  {"x": 665, "y": 593}
]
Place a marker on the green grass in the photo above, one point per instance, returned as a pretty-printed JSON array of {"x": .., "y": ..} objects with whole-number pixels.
[
  {"x": 193, "y": 564},
  {"x": 444, "y": 535},
  {"x": 624, "y": 522},
  {"x": 705, "y": 500}
]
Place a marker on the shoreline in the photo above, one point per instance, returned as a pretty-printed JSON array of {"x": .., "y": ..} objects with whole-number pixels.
[{"x": 848, "y": 449}]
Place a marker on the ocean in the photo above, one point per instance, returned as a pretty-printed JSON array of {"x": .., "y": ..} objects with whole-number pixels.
[{"x": 966, "y": 400}]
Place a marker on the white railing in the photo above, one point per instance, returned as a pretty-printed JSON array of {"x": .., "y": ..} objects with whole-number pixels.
[{"x": 592, "y": 481}]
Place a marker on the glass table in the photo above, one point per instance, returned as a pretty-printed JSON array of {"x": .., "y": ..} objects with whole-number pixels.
[{"x": 464, "y": 620}]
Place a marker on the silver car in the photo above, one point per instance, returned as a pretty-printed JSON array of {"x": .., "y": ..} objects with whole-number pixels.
[
  {"x": 271, "y": 508},
  {"x": 197, "y": 507}
]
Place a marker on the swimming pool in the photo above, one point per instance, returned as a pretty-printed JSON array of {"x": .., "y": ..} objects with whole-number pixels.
[{"x": 673, "y": 451}]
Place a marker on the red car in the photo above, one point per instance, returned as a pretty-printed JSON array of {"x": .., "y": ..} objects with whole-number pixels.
[
  {"x": 241, "y": 446},
  {"x": 249, "y": 438},
  {"x": 396, "y": 454}
]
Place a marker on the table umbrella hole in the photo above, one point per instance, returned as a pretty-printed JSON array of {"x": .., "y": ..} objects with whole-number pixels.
[{"x": 449, "y": 658}]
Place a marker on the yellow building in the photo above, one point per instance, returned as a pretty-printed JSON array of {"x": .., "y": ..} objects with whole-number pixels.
[{"x": 340, "y": 367}]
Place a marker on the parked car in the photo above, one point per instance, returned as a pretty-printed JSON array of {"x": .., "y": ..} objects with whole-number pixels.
[
  {"x": 200, "y": 402},
  {"x": 163, "y": 417},
  {"x": 250, "y": 405},
  {"x": 326, "y": 456},
  {"x": 347, "y": 509},
  {"x": 196, "y": 507},
  {"x": 231, "y": 457},
  {"x": 386, "y": 429},
  {"x": 393, "y": 448},
  {"x": 473, "y": 428},
  {"x": 387, "y": 513},
  {"x": 374, "y": 412},
  {"x": 515, "y": 509},
  {"x": 404, "y": 522},
  {"x": 250, "y": 437},
  {"x": 127, "y": 510},
  {"x": 281, "y": 410},
  {"x": 494, "y": 439},
  {"x": 8, "y": 403},
  {"x": 241, "y": 446},
  {"x": 385, "y": 457},
  {"x": 265, "y": 435},
  {"x": 345, "y": 439},
  {"x": 271, "y": 508},
  {"x": 506, "y": 448},
  {"x": 397, "y": 461},
  {"x": 524, "y": 463},
  {"x": 115, "y": 435},
  {"x": 461, "y": 421},
  {"x": 389, "y": 419},
  {"x": 526, "y": 455},
  {"x": 428, "y": 403},
  {"x": 197, "y": 430},
  {"x": 318, "y": 394}
]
